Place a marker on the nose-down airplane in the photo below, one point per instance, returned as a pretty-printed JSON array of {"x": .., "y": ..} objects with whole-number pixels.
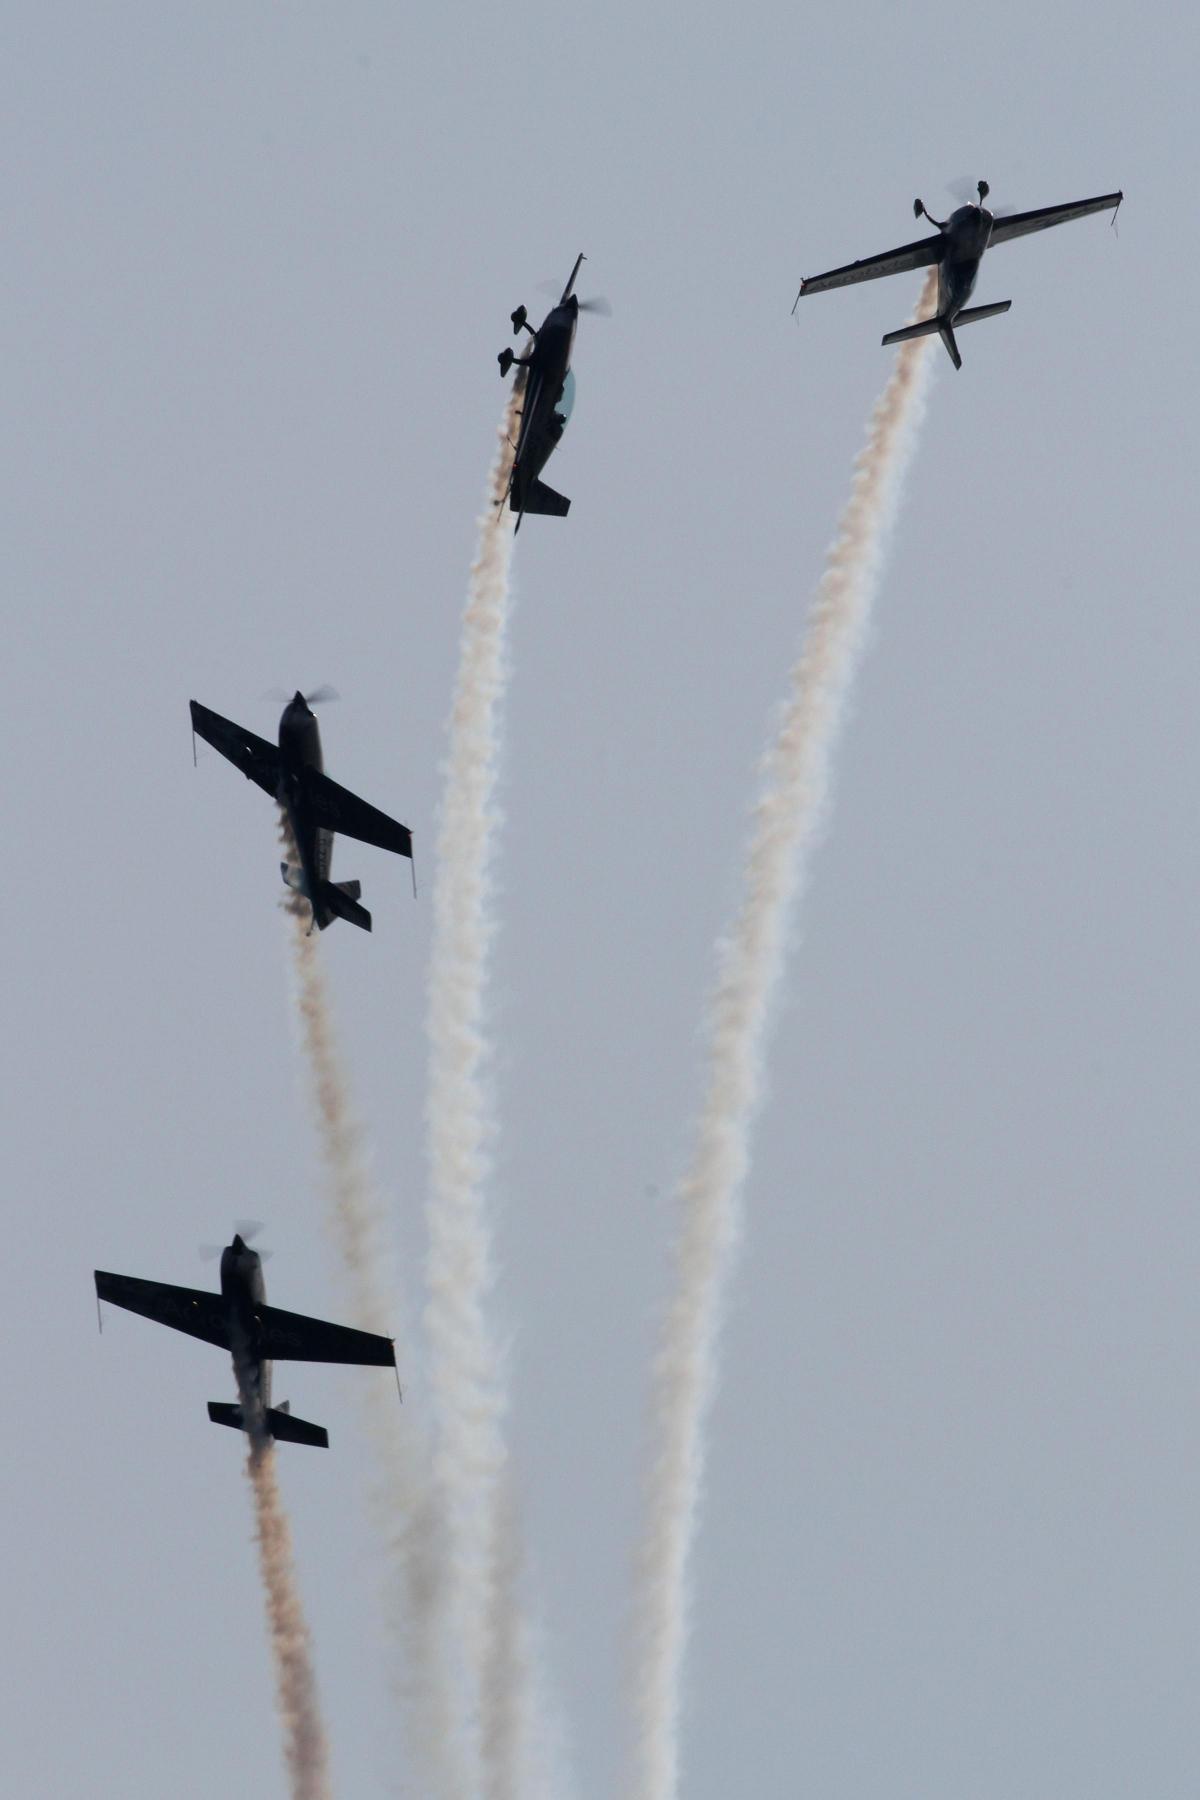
[
  {"x": 549, "y": 395},
  {"x": 292, "y": 774},
  {"x": 239, "y": 1320},
  {"x": 957, "y": 250}
]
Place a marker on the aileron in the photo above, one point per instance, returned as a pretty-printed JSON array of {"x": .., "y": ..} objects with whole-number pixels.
[
  {"x": 254, "y": 756},
  {"x": 291, "y": 1337},
  {"x": 1043, "y": 217},
  {"x": 920, "y": 255},
  {"x": 200, "y": 1314}
]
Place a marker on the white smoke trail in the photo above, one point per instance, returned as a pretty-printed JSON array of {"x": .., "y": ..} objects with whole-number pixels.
[
  {"x": 304, "y": 1735},
  {"x": 507, "y": 1675},
  {"x": 791, "y": 804},
  {"x": 467, "y": 1375},
  {"x": 403, "y": 1501}
]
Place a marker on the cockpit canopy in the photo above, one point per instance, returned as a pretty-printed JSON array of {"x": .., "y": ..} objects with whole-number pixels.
[{"x": 566, "y": 400}]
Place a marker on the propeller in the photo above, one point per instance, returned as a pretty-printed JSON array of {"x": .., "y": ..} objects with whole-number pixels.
[
  {"x": 318, "y": 697},
  {"x": 966, "y": 192},
  {"x": 247, "y": 1230},
  {"x": 595, "y": 303}
]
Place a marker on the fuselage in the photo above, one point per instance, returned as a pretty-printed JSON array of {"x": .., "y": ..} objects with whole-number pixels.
[
  {"x": 966, "y": 232},
  {"x": 244, "y": 1290},
  {"x": 300, "y": 749},
  {"x": 541, "y": 423}
]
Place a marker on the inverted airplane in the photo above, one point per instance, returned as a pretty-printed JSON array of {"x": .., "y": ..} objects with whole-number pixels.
[
  {"x": 292, "y": 772},
  {"x": 239, "y": 1320},
  {"x": 549, "y": 395},
  {"x": 957, "y": 250}
]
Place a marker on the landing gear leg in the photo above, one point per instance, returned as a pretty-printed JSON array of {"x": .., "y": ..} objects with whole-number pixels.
[{"x": 920, "y": 209}]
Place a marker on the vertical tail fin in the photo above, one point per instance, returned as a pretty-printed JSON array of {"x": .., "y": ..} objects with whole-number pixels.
[{"x": 947, "y": 336}]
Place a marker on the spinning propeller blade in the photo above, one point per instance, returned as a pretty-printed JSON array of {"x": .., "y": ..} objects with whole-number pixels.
[
  {"x": 247, "y": 1230},
  {"x": 965, "y": 192},
  {"x": 318, "y": 697}
]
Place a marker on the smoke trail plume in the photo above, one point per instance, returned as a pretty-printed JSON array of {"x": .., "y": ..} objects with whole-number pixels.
[
  {"x": 792, "y": 801},
  {"x": 466, "y": 1372},
  {"x": 507, "y": 1675},
  {"x": 403, "y": 1502},
  {"x": 304, "y": 1735}
]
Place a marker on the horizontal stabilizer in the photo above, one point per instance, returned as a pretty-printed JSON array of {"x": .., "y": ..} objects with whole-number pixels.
[
  {"x": 290, "y": 1430},
  {"x": 280, "y": 1423},
  {"x": 973, "y": 314},
  {"x": 538, "y": 498},
  {"x": 926, "y": 328},
  {"x": 340, "y": 899}
]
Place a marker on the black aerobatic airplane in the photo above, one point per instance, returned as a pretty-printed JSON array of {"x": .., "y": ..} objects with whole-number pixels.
[
  {"x": 239, "y": 1320},
  {"x": 548, "y": 396},
  {"x": 957, "y": 250},
  {"x": 316, "y": 807}
]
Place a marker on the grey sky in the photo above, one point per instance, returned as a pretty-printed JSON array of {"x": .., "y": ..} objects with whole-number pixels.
[{"x": 260, "y": 261}]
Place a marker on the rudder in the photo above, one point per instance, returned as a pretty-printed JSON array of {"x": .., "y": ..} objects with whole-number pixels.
[{"x": 947, "y": 333}]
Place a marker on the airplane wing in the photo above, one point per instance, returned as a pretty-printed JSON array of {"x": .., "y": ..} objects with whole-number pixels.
[
  {"x": 869, "y": 268},
  {"x": 290, "y": 1337},
  {"x": 339, "y": 810},
  {"x": 1021, "y": 224},
  {"x": 200, "y": 1314},
  {"x": 258, "y": 760}
]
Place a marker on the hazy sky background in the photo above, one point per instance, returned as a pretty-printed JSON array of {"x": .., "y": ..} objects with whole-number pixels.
[{"x": 259, "y": 262}]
